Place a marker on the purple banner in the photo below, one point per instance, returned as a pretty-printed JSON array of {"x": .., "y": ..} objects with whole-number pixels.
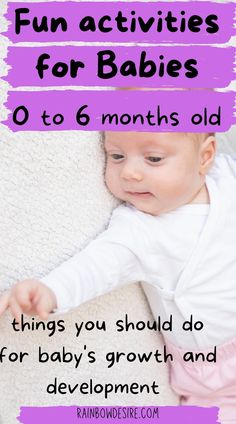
[
  {"x": 118, "y": 414},
  {"x": 152, "y": 22},
  {"x": 121, "y": 66},
  {"x": 158, "y": 111}
]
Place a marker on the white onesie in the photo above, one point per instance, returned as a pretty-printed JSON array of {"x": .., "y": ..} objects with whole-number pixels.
[{"x": 186, "y": 259}]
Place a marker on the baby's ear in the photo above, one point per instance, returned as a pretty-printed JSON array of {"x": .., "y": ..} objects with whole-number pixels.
[{"x": 207, "y": 151}]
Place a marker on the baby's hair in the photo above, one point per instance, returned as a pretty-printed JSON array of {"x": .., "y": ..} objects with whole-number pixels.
[{"x": 200, "y": 136}]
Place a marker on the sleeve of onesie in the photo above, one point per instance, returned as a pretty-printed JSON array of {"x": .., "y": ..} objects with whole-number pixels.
[
  {"x": 106, "y": 263},
  {"x": 225, "y": 165},
  {"x": 231, "y": 161}
]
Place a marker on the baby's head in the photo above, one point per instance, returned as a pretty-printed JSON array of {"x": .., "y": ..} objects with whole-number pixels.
[{"x": 158, "y": 172}]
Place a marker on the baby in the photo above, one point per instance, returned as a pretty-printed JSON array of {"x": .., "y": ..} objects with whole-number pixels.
[{"x": 176, "y": 232}]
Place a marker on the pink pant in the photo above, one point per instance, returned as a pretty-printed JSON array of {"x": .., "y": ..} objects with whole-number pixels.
[{"x": 206, "y": 383}]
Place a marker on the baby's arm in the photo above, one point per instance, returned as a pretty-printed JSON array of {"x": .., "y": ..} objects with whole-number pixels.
[
  {"x": 106, "y": 263},
  {"x": 99, "y": 268}
]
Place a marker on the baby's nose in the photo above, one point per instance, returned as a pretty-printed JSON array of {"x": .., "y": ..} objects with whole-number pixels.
[{"x": 131, "y": 171}]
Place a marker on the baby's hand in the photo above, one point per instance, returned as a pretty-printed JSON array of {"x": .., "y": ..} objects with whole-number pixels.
[{"x": 30, "y": 297}]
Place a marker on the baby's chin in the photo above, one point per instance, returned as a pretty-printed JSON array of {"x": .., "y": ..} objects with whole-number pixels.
[
  {"x": 150, "y": 211},
  {"x": 145, "y": 207},
  {"x": 149, "y": 208}
]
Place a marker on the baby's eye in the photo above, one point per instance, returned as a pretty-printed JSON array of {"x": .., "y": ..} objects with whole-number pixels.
[
  {"x": 116, "y": 156},
  {"x": 153, "y": 159}
]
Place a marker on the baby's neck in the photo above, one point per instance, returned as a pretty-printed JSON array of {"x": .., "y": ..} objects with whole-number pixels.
[{"x": 202, "y": 196}]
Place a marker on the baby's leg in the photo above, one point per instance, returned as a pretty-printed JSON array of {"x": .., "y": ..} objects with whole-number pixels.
[{"x": 207, "y": 384}]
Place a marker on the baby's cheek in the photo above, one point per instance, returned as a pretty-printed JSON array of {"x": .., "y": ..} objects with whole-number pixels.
[
  {"x": 108, "y": 174},
  {"x": 110, "y": 180},
  {"x": 105, "y": 175},
  {"x": 171, "y": 191}
]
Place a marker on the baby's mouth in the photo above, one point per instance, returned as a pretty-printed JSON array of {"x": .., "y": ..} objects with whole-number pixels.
[{"x": 140, "y": 194}]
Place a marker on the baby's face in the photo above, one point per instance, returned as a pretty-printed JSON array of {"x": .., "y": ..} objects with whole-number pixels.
[{"x": 155, "y": 172}]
